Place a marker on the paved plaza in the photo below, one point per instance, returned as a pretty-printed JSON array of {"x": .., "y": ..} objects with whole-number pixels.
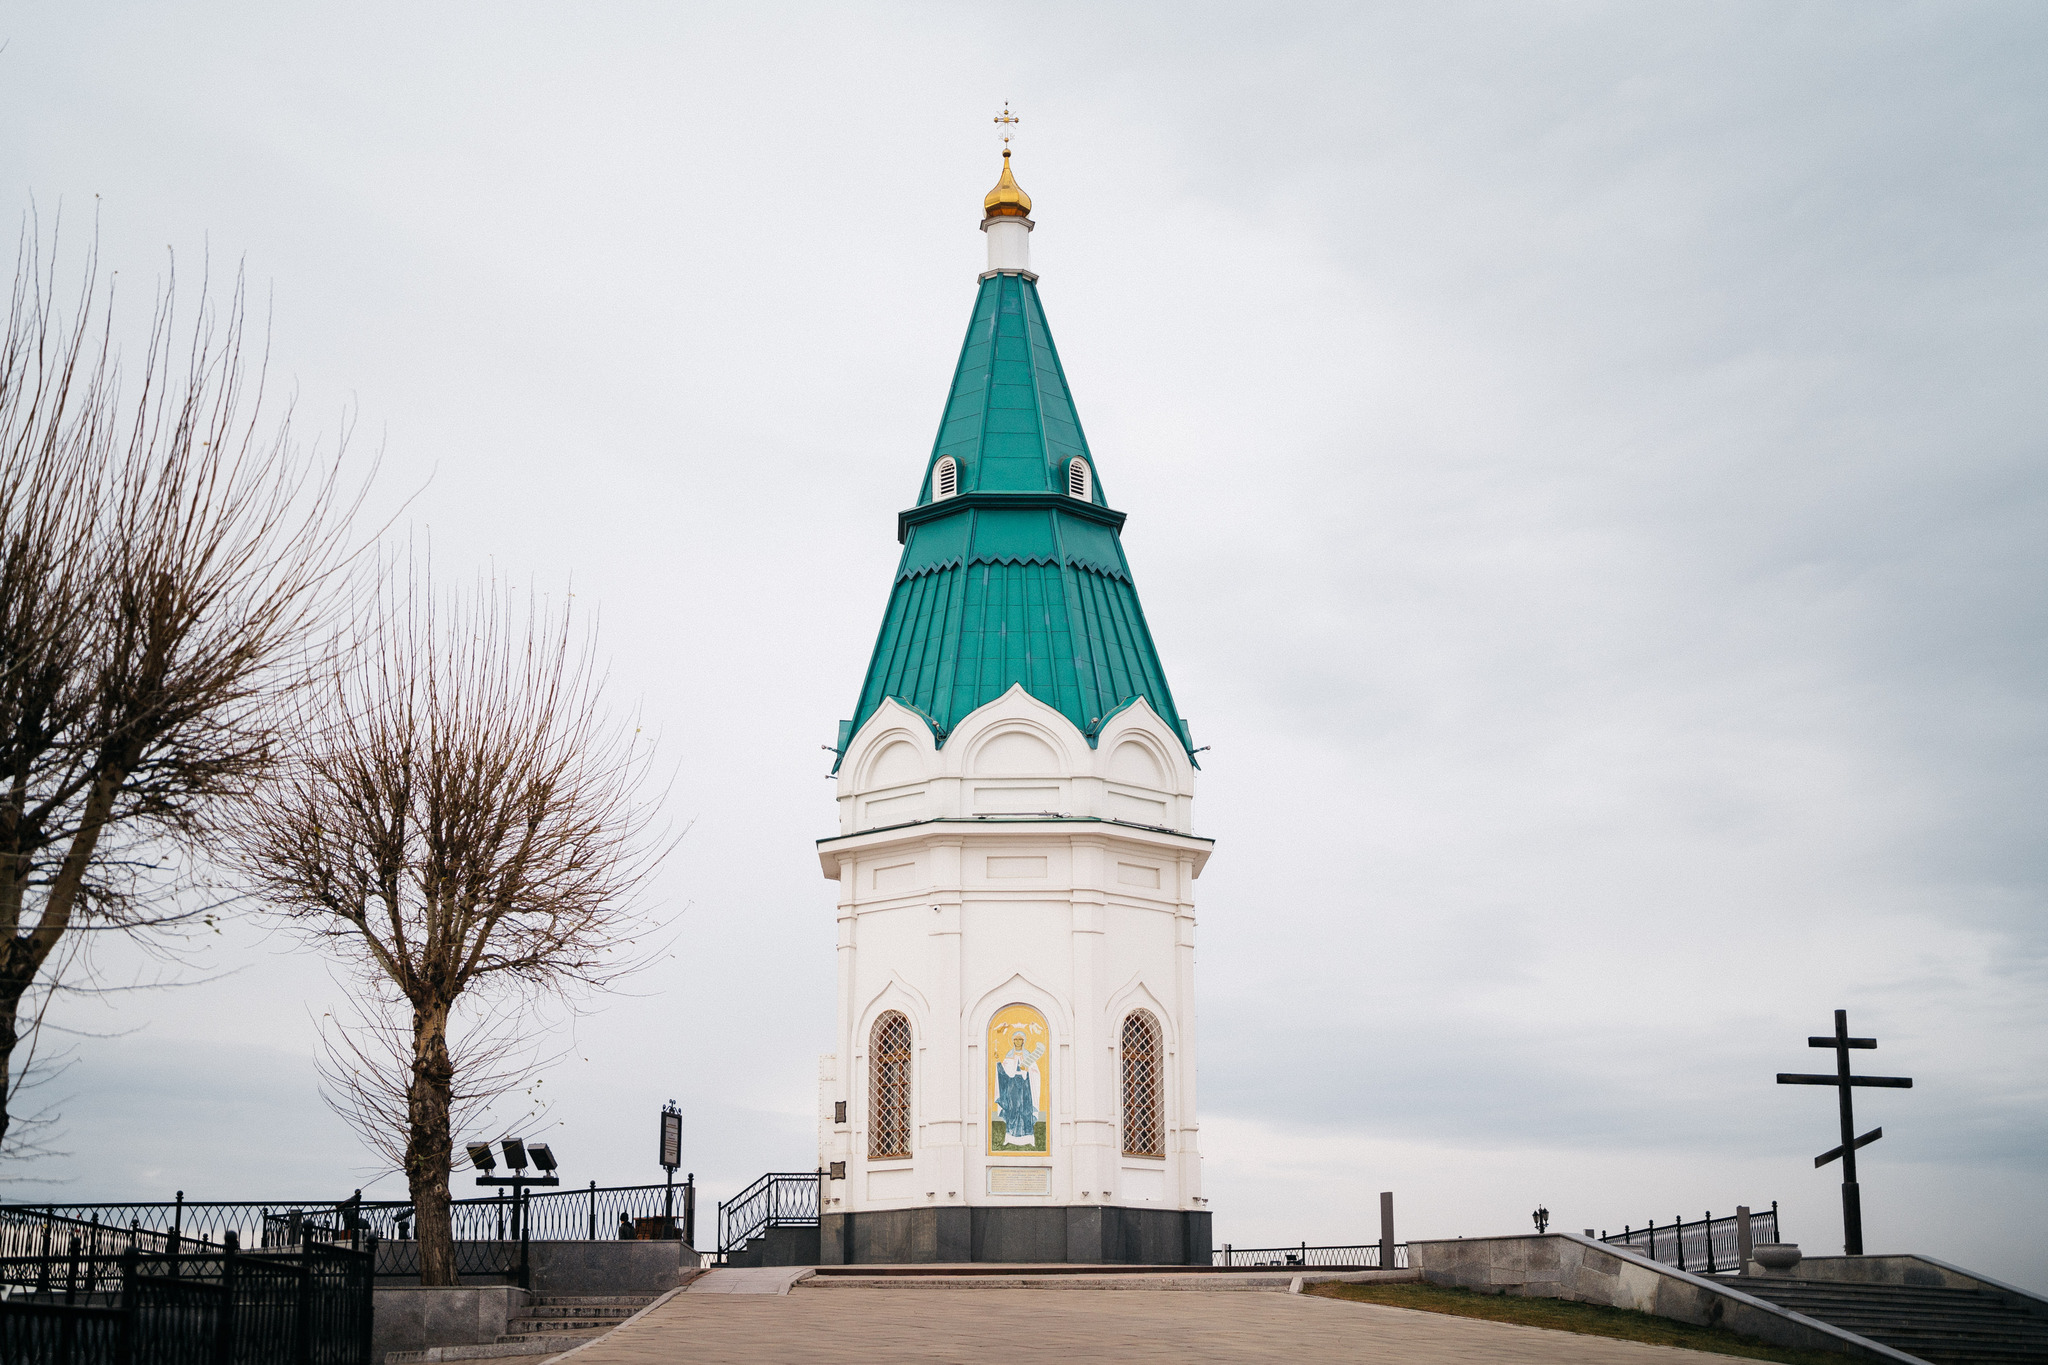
[{"x": 711, "y": 1325}]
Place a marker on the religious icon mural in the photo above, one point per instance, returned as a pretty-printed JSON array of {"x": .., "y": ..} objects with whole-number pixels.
[{"x": 1019, "y": 1082}]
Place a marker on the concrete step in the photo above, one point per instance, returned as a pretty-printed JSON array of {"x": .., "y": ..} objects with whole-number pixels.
[
  {"x": 597, "y": 1312},
  {"x": 1939, "y": 1325},
  {"x": 559, "y": 1313},
  {"x": 551, "y": 1324},
  {"x": 1878, "y": 1295},
  {"x": 490, "y": 1350},
  {"x": 1974, "y": 1355}
]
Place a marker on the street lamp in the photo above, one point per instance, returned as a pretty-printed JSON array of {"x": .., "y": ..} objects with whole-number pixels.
[{"x": 1542, "y": 1219}]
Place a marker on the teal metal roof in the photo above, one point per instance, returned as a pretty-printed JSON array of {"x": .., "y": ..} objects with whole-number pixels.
[
  {"x": 1011, "y": 581},
  {"x": 1009, "y": 422}
]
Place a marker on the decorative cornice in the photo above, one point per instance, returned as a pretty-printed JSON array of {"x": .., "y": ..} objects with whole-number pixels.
[
  {"x": 961, "y": 502},
  {"x": 1045, "y": 823}
]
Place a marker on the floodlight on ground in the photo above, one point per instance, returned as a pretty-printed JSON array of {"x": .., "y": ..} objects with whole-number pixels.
[{"x": 519, "y": 1155}]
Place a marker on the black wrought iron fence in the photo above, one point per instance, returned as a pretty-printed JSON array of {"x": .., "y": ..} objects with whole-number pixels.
[
  {"x": 777, "y": 1199},
  {"x": 1707, "y": 1246},
  {"x": 26, "y": 1232},
  {"x": 307, "y": 1306},
  {"x": 671, "y": 1210},
  {"x": 34, "y": 1333},
  {"x": 1366, "y": 1257},
  {"x": 163, "y": 1228},
  {"x": 593, "y": 1213}
]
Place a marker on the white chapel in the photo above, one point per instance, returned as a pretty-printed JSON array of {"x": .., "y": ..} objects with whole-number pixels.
[{"x": 1013, "y": 1073}]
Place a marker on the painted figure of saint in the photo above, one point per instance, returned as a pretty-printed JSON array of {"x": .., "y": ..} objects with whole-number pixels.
[{"x": 1019, "y": 1092}]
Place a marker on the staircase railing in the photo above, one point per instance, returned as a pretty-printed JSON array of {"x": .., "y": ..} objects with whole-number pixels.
[
  {"x": 1365, "y": 1257},
  {"x": 1708, "y": 1246},
  {"x": 778, "y": 1199}
]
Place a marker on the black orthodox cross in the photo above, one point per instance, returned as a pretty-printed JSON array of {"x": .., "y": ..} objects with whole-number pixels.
[{"x": 1852, "y": 1199}]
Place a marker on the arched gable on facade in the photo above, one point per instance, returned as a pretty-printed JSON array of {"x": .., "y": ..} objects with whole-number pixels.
[
  {"x": 1136, "y": 995},
  {"x": 1017, "y": 712}
]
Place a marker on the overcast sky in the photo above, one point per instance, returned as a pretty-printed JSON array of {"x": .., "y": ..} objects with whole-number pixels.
[{"x": 1586, "y": 478}]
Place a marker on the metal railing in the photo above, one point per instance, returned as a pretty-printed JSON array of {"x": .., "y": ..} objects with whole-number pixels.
[
  {"x": 1706, "y": 1246},
  {"x": 489, "y": 1231},
  {"x": 1366, "y": 1257},
  {"x": 308, "y": 1306},
  {"x": 26, "y": 1232},
  {"x": 162, "y": 1228},
  {"x": 777, "y": 1199},
  {"x": 623, "y": 1211},
  {"x": 593, "y": 1213},
  {"x": 59, "y": 1333}
]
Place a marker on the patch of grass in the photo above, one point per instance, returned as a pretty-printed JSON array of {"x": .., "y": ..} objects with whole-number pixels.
[{"x": 1562, "y": 1315}]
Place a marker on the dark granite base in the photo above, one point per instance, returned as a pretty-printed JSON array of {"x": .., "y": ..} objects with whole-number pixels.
[{"x": 1075, "y": 1233}]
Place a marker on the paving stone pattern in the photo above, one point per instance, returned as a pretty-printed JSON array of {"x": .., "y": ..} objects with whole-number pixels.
[{"x": 860, "y": 1327}]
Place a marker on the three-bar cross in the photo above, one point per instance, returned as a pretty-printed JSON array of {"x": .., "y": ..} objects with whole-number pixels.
[{"x": 1852, "y": 1199}]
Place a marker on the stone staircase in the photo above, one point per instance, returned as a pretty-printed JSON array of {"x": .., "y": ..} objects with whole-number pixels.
[
  {"x": 552, "y": 1323},
  {"x": 1940, "y": 1326},
  {"x": 776, "y": 1246}
]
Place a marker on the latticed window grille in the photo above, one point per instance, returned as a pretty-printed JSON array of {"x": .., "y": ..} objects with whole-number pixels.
[
  {"x": 1144, "y": 1087},
  {"x": 1077, "y": 478},
  {"x": 889, "y": 1087}
]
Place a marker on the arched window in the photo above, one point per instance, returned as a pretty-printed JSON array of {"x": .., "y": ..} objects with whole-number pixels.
[
  {"x": 1077, "y": 478},
  {"x": 946, "y": 478},
  {"x": 889, "y": 1087},
  {"x": 1144, "y": 1086}
]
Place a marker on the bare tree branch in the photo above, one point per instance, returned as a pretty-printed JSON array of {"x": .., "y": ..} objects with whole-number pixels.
[
  {"x": 162, "y": 553},
  {"x": 366, "y": 1059},
  {"x": 459, "y": 821}
]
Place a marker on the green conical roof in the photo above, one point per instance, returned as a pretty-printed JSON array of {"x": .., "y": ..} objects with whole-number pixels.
[{"x": 1011, "y": 581}]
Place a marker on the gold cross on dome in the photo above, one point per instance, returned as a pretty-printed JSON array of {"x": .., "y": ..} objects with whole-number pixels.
[{"x": 1005, "y": 119}]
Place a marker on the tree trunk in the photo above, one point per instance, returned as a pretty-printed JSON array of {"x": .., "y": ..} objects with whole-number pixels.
[
  {"x": 428, "y": 1144},
  {"x": 10, "y": 1035}
]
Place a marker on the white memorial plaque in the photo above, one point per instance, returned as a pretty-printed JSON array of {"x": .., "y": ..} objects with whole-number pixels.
[{"x": 1020, "y": 1180}]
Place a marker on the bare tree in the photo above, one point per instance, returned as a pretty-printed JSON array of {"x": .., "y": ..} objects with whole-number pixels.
[
  {"x": 460, "y": 821},
  {"x": 161, "y": 555},
  {"x": 366, "y": 1065}
]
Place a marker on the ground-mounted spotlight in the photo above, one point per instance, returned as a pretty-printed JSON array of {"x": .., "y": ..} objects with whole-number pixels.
[{"x": 519, "y": 1155}]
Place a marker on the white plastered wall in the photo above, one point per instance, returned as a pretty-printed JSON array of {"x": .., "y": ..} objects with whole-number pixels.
[{"x": 1015, "y": 865}]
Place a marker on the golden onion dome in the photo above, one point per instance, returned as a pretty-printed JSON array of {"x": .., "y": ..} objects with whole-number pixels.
[{"x": 1007, "y": 199}]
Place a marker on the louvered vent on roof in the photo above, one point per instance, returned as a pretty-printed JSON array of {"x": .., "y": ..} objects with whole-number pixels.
[
  {"x": 948, "y": 479},
  {"x": 1077, "y": 479}
]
